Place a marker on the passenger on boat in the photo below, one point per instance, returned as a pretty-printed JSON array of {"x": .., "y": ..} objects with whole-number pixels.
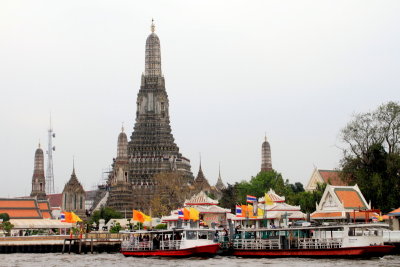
[{"x": 156, "y": 242}]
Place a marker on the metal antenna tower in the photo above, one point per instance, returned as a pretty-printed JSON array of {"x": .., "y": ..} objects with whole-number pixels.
[{"x": 49, "y": 171}]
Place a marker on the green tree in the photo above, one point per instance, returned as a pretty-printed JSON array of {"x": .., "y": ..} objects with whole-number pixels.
[
  {"x": 161, "y": 226},
  {"x": 371, "y": 158},
  {"x": 229, "y": 197},
  {"x": 5, "y": 217},
  {"x": 307, "y": 200},
  {"x": 105, "y": 213},
  {"x": 260, "y": 184},
  {"x": 7, "y": 227},
  {"x": 116, "y": 228},
  {"x": 171, "y": 192}
]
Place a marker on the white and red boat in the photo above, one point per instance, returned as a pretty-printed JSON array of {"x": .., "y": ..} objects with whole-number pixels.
[
  {"x": 352, "y": 240},
  {"x": 171, "y": 243}
]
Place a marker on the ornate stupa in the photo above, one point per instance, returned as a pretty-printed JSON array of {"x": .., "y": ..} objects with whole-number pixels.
[
  {"x": 120, "y": 195},
  {"x": 38, "y": 178},
  {"x": 219, "y": 185},
  {"x": 266, "y": 162},
  {"x": 201, "y": 182},
  {"x": 152, "y": 148}
]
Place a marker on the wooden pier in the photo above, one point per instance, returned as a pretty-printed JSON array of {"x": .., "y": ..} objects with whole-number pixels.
[{"x": 88, "y": 243}]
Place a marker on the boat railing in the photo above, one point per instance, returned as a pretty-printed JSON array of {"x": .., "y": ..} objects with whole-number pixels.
[
  {"x": 318, "y": 243},
  {"x": 256, "y": 244},
  {"x": 170, "y": 244},
  {"x": 302, "y": 243},
  {"x": 136, "y": 245}
]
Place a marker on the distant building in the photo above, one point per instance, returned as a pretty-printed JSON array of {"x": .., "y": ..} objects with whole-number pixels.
[
  {"x": 266, "y": 161},
  {"x": 209, "y": 212},
  {"x": 38, "y": 178},
  {"x": 219, "y": 185},
  {"x": 277, "y": 214},
  {"x": 73, "y": 196},
  {"x": 342, "y": 203},
  {"x": 331, "y": 177},
  {"x": 200, "y": 182}
]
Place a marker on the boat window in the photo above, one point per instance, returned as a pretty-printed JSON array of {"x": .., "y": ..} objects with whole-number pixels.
[
  {"x": 352, "y": 231},
  {"x": 190, "y": 235},
  {"x": 202, "y": 235},
  {"x": 211, "y": 235}
]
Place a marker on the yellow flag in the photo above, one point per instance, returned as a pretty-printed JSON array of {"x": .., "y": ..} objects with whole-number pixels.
[
  {"x": 260, "y": 212},
  {"x": 147, "y": 218},
  {"x": 75, "y": 218},
  {"x": 194, "y": 214},
  {"x": 268, "y": 200}
]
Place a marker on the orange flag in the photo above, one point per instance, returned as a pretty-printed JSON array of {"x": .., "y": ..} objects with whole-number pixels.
[
  {"x": 138, "y": 216},
  {"x": 245, "y": 212},
  {"x": 186, "y": 214},
  {"x": 68, "y": 217}
]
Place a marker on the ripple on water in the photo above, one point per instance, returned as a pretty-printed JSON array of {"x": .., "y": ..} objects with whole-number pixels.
[{"x": 114, "y": 260}]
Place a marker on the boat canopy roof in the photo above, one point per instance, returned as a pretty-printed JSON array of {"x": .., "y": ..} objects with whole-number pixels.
[
  {"x": 327, "y": 227},
  {"x": 174, "y": 230}
]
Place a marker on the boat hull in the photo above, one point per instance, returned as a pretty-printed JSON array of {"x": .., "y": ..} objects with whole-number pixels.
[
  {"x": 205, "y": 251},
  {"x": 368, "y": 251}
]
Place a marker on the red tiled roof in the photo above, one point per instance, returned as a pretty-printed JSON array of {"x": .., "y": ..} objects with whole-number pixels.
[
  {"x": 55, "y": 200},
  {"x": 18, "y": 208},
  {"x": 46, "y": 215},
  {"x": 44, "y": 205},
  {"x": 332, "y": 177},
  {"x": 350, "y": 198},
  {"x": 17, "y": 203},
  {"x": 22, "y": 213},
  {"x": 395, "y": 211}
]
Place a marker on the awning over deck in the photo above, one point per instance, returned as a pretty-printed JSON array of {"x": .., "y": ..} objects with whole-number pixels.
[{"x": 39, "y": 224}]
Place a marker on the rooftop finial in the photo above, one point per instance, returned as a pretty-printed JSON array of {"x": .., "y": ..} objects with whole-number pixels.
[
  {"x": 265, "y": 136},
  {"x": 39, "y": 143},
  {"x": 153, "y": 27},
  {"x": 200, "y": 159},
  {"x": 122, "y": 128},
  {"x": 73, "y": 164}
]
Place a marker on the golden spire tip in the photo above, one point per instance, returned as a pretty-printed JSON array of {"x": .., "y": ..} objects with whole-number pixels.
[{"x": 153, "y": 27}]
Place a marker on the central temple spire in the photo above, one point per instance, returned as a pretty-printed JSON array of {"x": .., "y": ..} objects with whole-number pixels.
[
  {"x": 152, "y": 148},
  {"x": 153, "y": 55}
]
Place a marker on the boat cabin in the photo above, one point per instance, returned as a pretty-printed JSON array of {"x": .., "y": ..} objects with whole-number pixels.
[{"x": 322, "y": 237}]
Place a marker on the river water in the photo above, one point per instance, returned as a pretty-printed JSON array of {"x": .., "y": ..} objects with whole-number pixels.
[{"x": 104, "y": 259}]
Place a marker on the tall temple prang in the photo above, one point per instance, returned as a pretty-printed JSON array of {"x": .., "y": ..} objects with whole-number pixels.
[
  {"x": 152, "y": 147},
  {"x": 266, "y": 162},
  {"x": 120, "y": 195},
  {"x": 38, "y": 179}
]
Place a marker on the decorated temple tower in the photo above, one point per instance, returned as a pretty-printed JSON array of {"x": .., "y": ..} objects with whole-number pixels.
[
  {"x": 120, "y": 195},
  {"x": 38, "y": 178},
  {"x": 152, "y": 148},
  {"x": 266, "y": 162}
]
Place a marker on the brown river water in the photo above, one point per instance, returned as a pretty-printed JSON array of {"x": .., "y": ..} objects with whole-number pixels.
[{"x": 104, "y": 259}]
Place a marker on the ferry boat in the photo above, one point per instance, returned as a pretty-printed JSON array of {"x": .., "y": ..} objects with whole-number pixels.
[
  {"x": 358, "y": 240},
  {"x": 172, "y": 243}
]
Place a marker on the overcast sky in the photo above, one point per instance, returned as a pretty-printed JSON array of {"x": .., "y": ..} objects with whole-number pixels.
[{"x": 234, "y": 70}]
